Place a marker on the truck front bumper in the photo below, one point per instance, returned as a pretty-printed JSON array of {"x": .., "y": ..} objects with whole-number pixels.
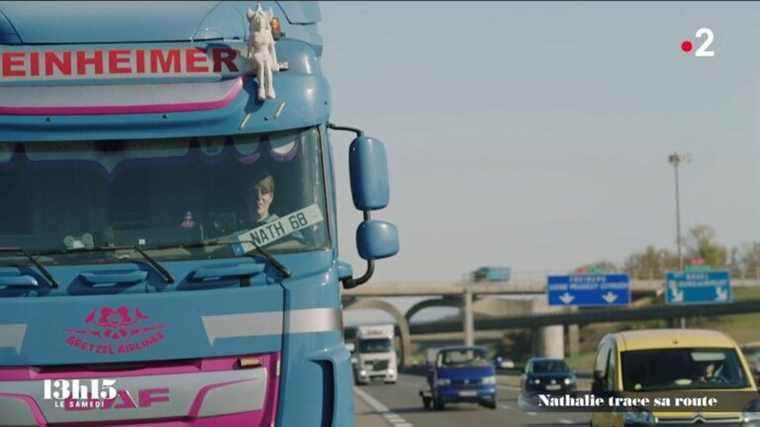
[
  {"x": 366, "y": 376},
  {"x": 472, "y": 395}
]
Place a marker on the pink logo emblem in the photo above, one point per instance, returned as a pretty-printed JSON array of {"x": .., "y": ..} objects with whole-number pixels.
[{"x": 116, "y": 330}]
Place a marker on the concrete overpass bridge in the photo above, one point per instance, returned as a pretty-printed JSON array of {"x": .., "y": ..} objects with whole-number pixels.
[{"x": 472, "y": 297}]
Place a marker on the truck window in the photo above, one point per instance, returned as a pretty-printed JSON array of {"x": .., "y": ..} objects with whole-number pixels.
[
  {"x": 375, "y": 345},
  {"x": 465, "y": 357},
  {"x": 550, "y": 366},
  {"x": 163, "y": 192},
  {"x": 682, "y": 368}
]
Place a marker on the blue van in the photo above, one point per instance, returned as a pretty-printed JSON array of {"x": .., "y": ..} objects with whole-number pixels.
[{"x": 460, "y": 374}]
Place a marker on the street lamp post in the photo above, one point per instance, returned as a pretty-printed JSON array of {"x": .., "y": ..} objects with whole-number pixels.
[{"x": 675, "y": 159}]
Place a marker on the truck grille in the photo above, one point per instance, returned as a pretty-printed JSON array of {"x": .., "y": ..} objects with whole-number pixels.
[
  {"x": 694, "y": 424},
  {"x": 466, "y": 384},
  {"x": 699, "y": 421},
  {"x": 376, "y": 365}
]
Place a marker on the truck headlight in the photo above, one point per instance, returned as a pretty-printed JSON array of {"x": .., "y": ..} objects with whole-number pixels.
[
  {"x": 638, "y": 418},
  {"x": 442, "y": 381},
  {"x": 489, "y": 380},
  {"x": 362, "y": 373},
  {"x": 536, "y": 381},
  {"x": 751, "y": 414},
  {"x": 391, "y": 372},
  {"x": 569, "y": 381}
]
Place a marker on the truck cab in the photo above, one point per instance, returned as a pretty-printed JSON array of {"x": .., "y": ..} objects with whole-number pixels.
[
  {"x": 375, "y": 354},
  {"x": 168, "y": 243}
]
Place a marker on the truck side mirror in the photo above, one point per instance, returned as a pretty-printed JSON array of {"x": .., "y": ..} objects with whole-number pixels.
[
  {"x": 368, "y": 167},
  {"x": 376, "y": 239}
]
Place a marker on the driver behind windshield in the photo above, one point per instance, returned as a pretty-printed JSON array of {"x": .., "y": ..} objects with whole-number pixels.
[
  {"x": 712, "y": 373},
  {"x": 258, "y": 200},
  {"x": 464, "y": 358}
]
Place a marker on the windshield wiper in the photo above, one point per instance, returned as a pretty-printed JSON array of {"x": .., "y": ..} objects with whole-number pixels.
[
  {"x": 272, "y": 260},
  {"x": 168, "y": 278},
  {"x": 276, "y": 264},
  {"x": 165, "y": 275},
  {"x": 40, "y": 267}
]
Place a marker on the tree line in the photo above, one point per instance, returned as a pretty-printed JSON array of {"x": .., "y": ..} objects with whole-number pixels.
[{"x": 700, "y": 245}]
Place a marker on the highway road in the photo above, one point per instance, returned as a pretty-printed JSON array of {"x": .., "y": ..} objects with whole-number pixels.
[{"x": 398, "y": 405}]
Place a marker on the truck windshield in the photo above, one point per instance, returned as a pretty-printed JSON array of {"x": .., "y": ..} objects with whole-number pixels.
[
  {"x": 163, "y": 192},
  {"x": 375, "y": 345},
  {"x": 464, "y": 357},
  {"x": 550, "y": 367},
  {"x": 682, "y": 368}
]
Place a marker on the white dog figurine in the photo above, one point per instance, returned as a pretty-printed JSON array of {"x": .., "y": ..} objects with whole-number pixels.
[{"x": 261, "y": 53}]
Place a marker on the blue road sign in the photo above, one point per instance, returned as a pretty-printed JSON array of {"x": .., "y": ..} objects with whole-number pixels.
[
  {"x": 698, "y": 287},
  {"x": 587, "y": 290}
]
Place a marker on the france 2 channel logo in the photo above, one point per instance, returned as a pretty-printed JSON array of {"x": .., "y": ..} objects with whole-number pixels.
[{"x": 703, "y": 51}]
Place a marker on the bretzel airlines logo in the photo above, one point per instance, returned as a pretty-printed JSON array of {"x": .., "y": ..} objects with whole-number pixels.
[{"x": 115, "y": 330}]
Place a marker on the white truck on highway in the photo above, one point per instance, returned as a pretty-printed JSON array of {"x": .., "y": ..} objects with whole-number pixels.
[{"x": 375, "y": 354}]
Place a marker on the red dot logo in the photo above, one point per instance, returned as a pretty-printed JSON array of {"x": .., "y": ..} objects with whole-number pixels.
[{"x": 686, "y": 46}]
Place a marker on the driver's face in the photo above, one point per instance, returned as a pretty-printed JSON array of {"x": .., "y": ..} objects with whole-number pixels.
[
  {"x": 258, "y": 203},
  {"x": 263, "y": 201},
  {"x": 709, "y": 370}
]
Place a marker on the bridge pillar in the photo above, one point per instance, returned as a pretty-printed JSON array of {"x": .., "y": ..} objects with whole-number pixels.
[
  {"x": 469, "y": 321},
  {"x": 549, "y": 341},
  {"x": 573, "y": 340},
  {"x": 573, "y": 337},
  {"x": 552, "y": 341}
]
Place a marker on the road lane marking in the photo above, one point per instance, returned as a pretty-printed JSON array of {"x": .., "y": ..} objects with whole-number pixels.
[
  {"x": 392, "y": 418},
  {"x": 565, "y": 421},
  {"x": 410, "y": 384},
  {"x": 505, "y": 406},
  {"x": 509, "y": 387}
]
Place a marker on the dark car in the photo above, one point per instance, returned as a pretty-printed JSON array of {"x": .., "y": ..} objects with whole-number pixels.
[
  {"x": 547, "y": 375},
  {"x": 460, "y": 374}
]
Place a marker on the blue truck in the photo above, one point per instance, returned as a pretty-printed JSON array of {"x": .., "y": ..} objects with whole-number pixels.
[
  {"x": 492, "y": 274},
  {"x": 460, "y": 374},
  {"x": 168, "y": 243}
]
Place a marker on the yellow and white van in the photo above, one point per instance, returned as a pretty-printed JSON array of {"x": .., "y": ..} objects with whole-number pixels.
[{"x": 671, "y": 361}]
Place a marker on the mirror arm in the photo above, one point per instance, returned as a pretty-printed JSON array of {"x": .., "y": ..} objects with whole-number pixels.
[
  {"x": 358, "y": 132},
  {"x": 351, "y": 282}
]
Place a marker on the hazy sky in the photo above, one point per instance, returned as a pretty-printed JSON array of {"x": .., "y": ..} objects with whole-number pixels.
[{"x": 536, "y": 135}]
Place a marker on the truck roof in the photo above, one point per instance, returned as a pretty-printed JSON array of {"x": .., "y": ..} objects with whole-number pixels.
[
  {"x": 649, "y": 339},
  {"x": 128, "y": 22}
]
